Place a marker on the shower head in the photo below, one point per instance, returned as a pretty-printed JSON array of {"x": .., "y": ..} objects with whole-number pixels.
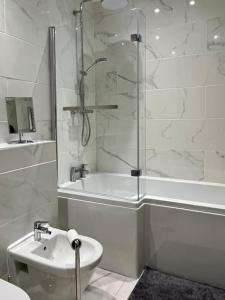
[{"x": 98, "y": 60}]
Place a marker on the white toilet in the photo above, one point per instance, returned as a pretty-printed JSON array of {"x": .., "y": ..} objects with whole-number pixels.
[{"x": 10, "y": 291}]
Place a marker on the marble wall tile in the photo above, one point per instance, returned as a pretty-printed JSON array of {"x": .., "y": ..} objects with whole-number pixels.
[
  {"x": 2, "y": 15},
  {"x": 43, "y": 74},
  {"x": 19, "y": 88},
  {"x": 3, "y": 93},
  {"x": 186, "y": 134},
  {"x": 210, "y": 137},
  {"x": 18, "y": 59},
  {"x": 204, "y": 10},
  {"x": 175, "y": 164},
  {"x": 4, "y": 131},
  {"x": 114, "y": 28},
  {"x": 66, "y": 97},
  {"x": 171, "y": 12},
  {"x": 117, "y": 159},
  {"x": 215, "y": 166},
  {"x": 216, "y": 34},
  {"x": 43, "y": 130},
  {"x": 59, "y": 13},
  {"x": 183, "y": 103},
  {"x": 26, "y": 20},
  {"x": 41, "y": 101},
  {"x": 176, "y": 40},
  {"x": 66, "y": 57},
  {"x": 26, "y": 190},
  {"x": 28, "y": 154},
  {"x": 215, "y": 101},
  {"x": 195, "y": 70},
  {"x": 173, "y": 134}
]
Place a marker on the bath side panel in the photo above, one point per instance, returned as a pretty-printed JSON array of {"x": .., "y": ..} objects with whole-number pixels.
[
  {"x": 116, "y": 228},
  {"x": 186, "y": 243}
]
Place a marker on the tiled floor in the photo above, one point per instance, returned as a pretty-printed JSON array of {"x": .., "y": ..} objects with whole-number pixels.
[{"x": 105, "y": 285}]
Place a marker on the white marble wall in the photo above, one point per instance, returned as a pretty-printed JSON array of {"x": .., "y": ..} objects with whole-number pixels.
[
  {"x": 185, "y": 89},
  {"x": 27, "y": 191}
]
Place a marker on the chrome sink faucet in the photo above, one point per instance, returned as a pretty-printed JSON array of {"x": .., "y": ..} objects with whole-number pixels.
[{"x": 39, "y": 229}]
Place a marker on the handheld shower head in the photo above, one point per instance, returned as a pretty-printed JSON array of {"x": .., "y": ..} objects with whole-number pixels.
[
  {"x": 98, "y": 60},
  {"x": 101, "y": 59}
]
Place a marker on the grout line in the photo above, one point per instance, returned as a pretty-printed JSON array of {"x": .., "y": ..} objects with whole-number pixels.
[
  {"x": 214, "y": 53},
  {"x": 116, "y": 292},
  {"x": 185, "y": 119},
  {"x": 28, "y": 167},
  {"x": 22, "y": 40},
  {"x": 183, "y": 87},
  {"x": 105, "y": 275},
  {"x": 121, "y": 287},
  {"x": 23, "y": 80}
]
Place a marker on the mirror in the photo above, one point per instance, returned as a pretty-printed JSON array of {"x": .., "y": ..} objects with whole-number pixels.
[{"x": 20, "y": 115}]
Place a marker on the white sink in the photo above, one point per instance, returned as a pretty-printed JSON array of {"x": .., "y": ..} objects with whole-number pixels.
[{"x": 46, "y": 268}]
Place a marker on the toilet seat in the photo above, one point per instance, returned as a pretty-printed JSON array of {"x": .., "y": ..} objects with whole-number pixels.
[{"x": 10, "y": 291}]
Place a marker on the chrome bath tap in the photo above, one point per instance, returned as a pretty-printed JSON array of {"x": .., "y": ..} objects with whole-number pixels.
[{"x": 78, "y": 172}]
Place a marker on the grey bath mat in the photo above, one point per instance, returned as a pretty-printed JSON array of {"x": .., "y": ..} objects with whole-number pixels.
[{"x": 155, "y": 285}]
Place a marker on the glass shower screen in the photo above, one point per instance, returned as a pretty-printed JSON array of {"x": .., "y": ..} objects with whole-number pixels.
[{"x": 120, "y": 134}]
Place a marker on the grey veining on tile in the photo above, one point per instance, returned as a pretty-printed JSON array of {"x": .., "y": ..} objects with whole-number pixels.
[
  {"x": 175, "y": 164},
  {"x": 177, "y": 40},
  {"x": 115, "y": 156}
]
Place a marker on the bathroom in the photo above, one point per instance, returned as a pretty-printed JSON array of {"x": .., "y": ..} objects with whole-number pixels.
[{"x": 112, "y": 121}]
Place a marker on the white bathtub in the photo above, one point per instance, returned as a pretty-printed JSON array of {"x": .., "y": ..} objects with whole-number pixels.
[
  {"x": 105, "y": 184},
  {"x": 117, "y": 187},
  {"x": 176, "y": 226}
]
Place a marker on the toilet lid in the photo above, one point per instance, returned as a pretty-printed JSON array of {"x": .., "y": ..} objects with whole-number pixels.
[{"x": 10, "y": 291}]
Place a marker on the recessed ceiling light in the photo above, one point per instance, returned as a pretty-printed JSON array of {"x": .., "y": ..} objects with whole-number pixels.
[
  {"x": 192, "y": 2},
  {"x": 173, "y": 52},
  {"x": 156, "y": 10},
  {"x": 157, "y": 37},
  {"x": 216, "y": 37}
]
